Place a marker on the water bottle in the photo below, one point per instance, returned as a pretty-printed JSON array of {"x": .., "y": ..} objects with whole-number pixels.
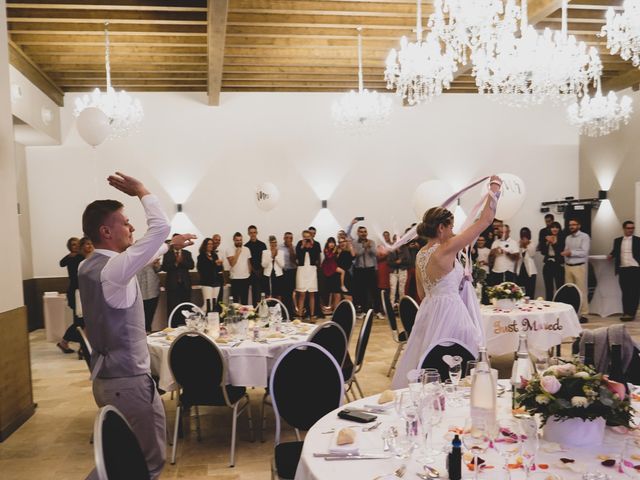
[
  {"x": 263, "y": 310},
  {"x": 483, "y": 397},
  {"x": 523, "y": 368}
]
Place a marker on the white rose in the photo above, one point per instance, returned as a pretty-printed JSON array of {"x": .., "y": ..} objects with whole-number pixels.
[
  {"x": 582, "y": 375},
  {"x": 542, "y": 399},
  {"x": 579, "y": 401}
]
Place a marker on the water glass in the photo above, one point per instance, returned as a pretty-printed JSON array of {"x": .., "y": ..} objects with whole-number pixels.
[
  {"x": 528, "y": 443},
  {"x": 476, "y": 439},
  {"x": 541, "y": 363},
  {"x": 451, "y": 394},
  {"x": 471, "y": 366},
  {"x": 404, "y": 445},
  {"x": 507, "y": 441},
  {"x": 430, "y": 415}
]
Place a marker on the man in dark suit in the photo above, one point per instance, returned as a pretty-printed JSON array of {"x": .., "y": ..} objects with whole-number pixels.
[
  {"x": 626, "y": 254},
  {"x": 545, "y": 232},
  {"x": 177, "y": 263}
]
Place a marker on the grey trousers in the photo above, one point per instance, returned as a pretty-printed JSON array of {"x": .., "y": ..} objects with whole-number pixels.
[{"x": 139, "y": 402}]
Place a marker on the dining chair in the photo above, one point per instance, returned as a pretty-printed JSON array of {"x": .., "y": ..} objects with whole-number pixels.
[
  {"x": 306, "y": 383},
  {"x": 176, "y": 318},
  {"x": 345, "y": 316},
  {"x": 272, "y": 302},
  {"x": 200, "y": 369},
  {"x": 570, "y": 294},
  {"x": 361, "y": 347},
  {"x": 116, "y": 450},
  {"x": 408, "y": 309},
  {"x": 433, "y": 356},
  {"x": 399, "y": 337}
]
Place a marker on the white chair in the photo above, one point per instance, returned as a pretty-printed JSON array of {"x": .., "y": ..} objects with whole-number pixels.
[
  {"x": 272, "y": 302},
  {"x": 176, "y": 318}
]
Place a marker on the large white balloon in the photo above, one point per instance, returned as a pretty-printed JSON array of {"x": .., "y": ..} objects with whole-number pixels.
[
  {"x": 93, "y": 126},
  {"x": 431, "y": 193},
  {"x": 267, "y": 196},
  {"x": 512, "y": 196}
]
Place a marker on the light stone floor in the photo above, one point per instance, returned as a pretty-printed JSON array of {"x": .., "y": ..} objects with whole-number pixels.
[{"x": 54, "y": 443}]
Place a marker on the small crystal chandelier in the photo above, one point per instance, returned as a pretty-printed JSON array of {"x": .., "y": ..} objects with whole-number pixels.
[
  {"x": 124, "y": 112},
  {"x": 362, "y": 110},
  {"x": 421, "y": 69},
  {"x": 623, "y": 31},
  {"x": 599, "y": 115}
]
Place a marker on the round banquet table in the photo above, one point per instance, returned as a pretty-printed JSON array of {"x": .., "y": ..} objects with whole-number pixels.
[
  {"x": 316, "y": 468},
  {"x": 545, "y": 323},
  {"x": 249, "y": 363},
  {"x": 607, "y": 297}
]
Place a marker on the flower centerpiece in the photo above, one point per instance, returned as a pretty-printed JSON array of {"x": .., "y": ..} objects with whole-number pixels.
[
  {"x": 575, "y": 402},
  {"x": 506, "y": 294}
]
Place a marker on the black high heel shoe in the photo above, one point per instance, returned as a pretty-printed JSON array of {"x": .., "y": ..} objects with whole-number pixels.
[{"x": 64, "y": 349}]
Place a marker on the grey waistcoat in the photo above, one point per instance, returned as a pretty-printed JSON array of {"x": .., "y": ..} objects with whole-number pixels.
[{"x": 117, "y": 335}]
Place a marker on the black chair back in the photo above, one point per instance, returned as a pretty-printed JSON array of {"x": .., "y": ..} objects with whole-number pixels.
[
  {"x": 117, "y": 452},
  {"x": 345, "y": 316},
  {"x": 306, "y": 383},
  {"x": 176, "y": 318},
  {"x": 331, "y": 336},
  {"x": 569, "y": 293},
  {"x": 363, "y": 339},
  {"x": 408, "y": 309},
  {"x": 199, "y": 367},
  {"x": 272, "y": 302},
  {"x": 387, "y": 306},
  {"x": 433, "y": 357}
]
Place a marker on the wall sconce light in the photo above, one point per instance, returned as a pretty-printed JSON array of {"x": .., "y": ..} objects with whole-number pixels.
[
  {"x": 47, "y": 115},
  {"x": 16, "y": 92},
  {"x": 603, "y": 194},
  {"x": 179, "y": 207},
  {"x": 324, "y": 203}
]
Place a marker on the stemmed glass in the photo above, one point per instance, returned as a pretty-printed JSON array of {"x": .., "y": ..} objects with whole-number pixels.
[
  {"x": 430, "y": 415},
  {"x": 541, "y": 363},
  {"x": 529, "y": 443},
  {"x": 471, "y": 366},
  {"x": 476, "y": 439},
  {"x": 506, "y": 442},
  {"x": 408, "y": 411},
  {"x": 455, "y": 373}
]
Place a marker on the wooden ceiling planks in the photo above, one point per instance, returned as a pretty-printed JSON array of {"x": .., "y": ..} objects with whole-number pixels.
[{"x": 262, "y": 45}]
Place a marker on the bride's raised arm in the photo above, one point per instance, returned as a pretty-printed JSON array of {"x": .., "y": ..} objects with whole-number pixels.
[{"x": 456, "y": 243}]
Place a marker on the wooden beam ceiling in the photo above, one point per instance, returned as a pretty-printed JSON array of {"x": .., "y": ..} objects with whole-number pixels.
[{"x": 245, "y": 45}]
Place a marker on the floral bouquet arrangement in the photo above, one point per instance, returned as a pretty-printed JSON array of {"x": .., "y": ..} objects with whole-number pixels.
[
  {"x": 575, "y": 390},
  {"x": 506, "y": 290}
]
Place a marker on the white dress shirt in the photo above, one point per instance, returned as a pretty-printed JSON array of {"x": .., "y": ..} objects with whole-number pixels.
[
  {"x": 502, "y": 262},
  {"x": 626, "y": 252},
  {"x": 118, "y": 277},
  {"x": 270, "y": 263}
]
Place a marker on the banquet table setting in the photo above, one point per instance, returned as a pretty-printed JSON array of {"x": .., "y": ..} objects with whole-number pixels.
[
  {"x": 546, "y": 324},
  {"x": 376, "y": 455},
  {"x": 249, "y": 358}
]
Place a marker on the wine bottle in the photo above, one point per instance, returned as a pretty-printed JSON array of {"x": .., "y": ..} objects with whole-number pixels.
[{"x": 523, "y": 368}]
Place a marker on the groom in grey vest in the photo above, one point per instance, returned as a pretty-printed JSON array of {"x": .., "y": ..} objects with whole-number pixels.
[{"x": 114, "y": 313}]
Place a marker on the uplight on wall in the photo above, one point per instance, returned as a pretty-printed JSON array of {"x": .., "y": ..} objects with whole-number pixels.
[
  {"x": 324, "y": 204},
  {"x": 179, "y": 207},
  {"x": 603, "y": 194}
]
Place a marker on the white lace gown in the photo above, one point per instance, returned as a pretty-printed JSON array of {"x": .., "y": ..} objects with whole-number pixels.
[{"x": 450, "y": 310}]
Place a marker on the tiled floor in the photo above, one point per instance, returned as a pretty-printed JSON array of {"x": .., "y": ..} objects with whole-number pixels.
[{"x": 54, "y": 443}]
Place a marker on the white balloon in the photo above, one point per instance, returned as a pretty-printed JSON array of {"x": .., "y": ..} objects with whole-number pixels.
[
  {"x": 431, "y": 193},
  {"x": 512, "y": 196},
  {"x": 267, "y": 196},
  {"x": 93, "y": 126}
]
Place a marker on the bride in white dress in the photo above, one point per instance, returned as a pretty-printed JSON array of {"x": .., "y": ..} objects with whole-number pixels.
[{"x": 449, "y": 308}]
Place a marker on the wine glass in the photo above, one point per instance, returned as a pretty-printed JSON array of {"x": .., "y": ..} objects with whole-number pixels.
[
  {"x": 541, "y": 363},
  {"x": 430, "y": 415},
  {"x": 476, "y": 439},
  {"x": 408, "y": 411},
  {"x": 506, "y": 441},
  {"x": 455, "y": 373},
  {"x": 528, "y": 443}
]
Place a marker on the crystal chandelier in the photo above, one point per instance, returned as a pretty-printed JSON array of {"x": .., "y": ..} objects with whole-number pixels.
[
  {"x": 360, "y": 111},
  {"x": 623, "y": 31},
  {"x": 599, "y": 115},
  {"x": 124, "y": 112},
  {"x": 421, "y": 69},
  {"x": 465, "y": 25}
]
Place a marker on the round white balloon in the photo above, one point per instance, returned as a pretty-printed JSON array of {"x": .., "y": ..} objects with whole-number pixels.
[
  {"x": 431, "y": 193},
  {"x": 93, "y": 126},
  {"x": 512, "y": 196},
  {"x": 267, "y": 196}
]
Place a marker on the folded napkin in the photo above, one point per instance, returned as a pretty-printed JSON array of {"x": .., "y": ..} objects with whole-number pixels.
[
  {"x": 50, "y": 294},
  {"x": 170, "y": 338},
  {"x": 168, "y": 329},
  {"x": 344, "y": 442},
  {"x": 386, "y": 397},
  {"x": 276, "y": 335},
  {"x": 296, "y": 322},
  {"x": 221, "y": 340}
]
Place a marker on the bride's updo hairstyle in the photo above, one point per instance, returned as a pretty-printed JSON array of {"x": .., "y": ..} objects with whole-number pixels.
[{"x": 432, "y": 219}]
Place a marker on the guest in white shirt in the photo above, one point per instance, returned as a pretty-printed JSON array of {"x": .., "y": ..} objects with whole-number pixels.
[
  {"x": 272, "y": 269},
  {"x": 481, "y": 253},
  {"x": 626, "y": 253},
  {"x": 525, "y": 266},
  {"x": 576, "y": 256},
  {"x": 505, "y": 253},
  {"x": 239, "y": 258},
  {"x": 114, "y": 314}
]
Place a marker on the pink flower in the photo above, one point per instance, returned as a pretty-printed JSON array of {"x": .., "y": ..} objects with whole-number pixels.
[
  {"x": 550, "y": 384},
  {"x": 615, "y": 387}
]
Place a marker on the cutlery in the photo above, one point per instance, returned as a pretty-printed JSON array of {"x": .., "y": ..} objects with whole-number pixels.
[
  {"x": 398, "y": 473},
  {"x": 430, "y": 473},
  {"x": 372, "y": 427},
  {"x": 360, "y": 456}
]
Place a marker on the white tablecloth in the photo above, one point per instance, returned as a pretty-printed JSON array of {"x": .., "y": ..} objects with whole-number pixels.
[
  {"x": 546, "y": 325},
  {"x": 249, "y": 364},
  {"x": 607, "y": 297},
  {"x": 313, "y": 468},
  {"x": 57, "y": 316}
]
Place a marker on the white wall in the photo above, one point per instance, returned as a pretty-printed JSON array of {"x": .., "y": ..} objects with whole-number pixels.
[
  {"x": 612, "y": 163},
  {"x": 24, "y": 218},
  {"x": 212, "y": 159}
]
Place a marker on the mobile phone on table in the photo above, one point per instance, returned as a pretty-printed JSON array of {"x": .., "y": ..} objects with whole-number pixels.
[
  {"x": 356, "y": 416},
  {"x": 359, "y": 219}
]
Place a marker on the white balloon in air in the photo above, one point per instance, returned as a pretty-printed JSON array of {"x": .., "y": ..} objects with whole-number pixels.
[
  {"x": 512, "y": 196},
  {"x": 267, "y": 196},
  {"x": 431, "y": 193}
]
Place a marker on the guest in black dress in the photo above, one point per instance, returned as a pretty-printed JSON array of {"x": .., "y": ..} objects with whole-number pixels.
[
  {"x": 209, "y": 267},
  {"x": 346, "y": 255}
]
